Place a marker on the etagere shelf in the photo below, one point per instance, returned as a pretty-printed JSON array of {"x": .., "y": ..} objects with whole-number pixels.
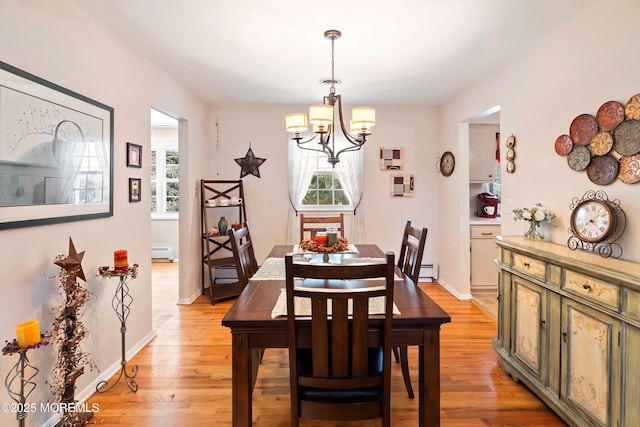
[{"x": 219, "y": 198}]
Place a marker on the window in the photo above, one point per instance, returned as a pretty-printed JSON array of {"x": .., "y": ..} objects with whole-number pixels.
[
  {"x": 88, "y": 186},
  {"x": 325, "y": 188},
  {"x": 165, "y": 162}
]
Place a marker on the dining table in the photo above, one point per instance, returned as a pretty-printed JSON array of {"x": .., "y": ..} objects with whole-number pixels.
[{"x": 255, "y": 325}]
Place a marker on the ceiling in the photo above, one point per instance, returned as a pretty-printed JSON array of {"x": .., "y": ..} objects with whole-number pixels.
[{"x": 274, "y": 51}]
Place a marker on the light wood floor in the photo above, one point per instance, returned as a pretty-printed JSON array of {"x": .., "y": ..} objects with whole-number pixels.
[{"x": 184, "y": 374}]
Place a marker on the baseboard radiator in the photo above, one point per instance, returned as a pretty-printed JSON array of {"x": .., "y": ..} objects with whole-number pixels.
[
  {"x": 162, "y": 253},
  {"x": 428, "y": 272}
]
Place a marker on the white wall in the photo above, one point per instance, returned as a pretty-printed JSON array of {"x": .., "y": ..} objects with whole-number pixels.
[
  {"x": 413, "y": 128},
  {"x": 59, "y": 42},
  {"x": 573, "y": 70}
]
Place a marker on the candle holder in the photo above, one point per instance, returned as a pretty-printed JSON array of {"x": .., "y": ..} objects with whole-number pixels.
[
  {"x": 121, "y": 303},
  {"x": 19, "y": 381}
]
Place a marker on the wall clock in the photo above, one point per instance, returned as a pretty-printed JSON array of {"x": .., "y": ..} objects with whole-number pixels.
[
  {"x": 447, "y": 163},
  {"x": 596, "y": 224}
]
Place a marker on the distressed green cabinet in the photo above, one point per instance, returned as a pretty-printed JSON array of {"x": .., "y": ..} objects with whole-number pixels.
[{"x": 569, "y": 329}]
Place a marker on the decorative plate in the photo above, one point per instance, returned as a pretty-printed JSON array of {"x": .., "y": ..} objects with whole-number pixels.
[
  {"x": 629, "y": 172},
  {"x": 601, "y": 143},
  {"x": 583, "y": 128},
  {"x": 511, "y": 154},
  {"x": 579, "y": 158},
  {"x": 626, "y": 138},
  {"x": 563, "y": 145},
  {"x": 511, "y": 167},
  {"x": 603, "y": 170},
  {"x": 610, "y": 115},
  {"x": 632, "y": 110},
  {"x": 511, "y": 141}
]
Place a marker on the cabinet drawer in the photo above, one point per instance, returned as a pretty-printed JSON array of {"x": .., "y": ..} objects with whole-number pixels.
[
  {"x": 530, "y": 266},
  {"x": 594, "y": 289},
  {"x": 485, "y": 231},
  {"x": 633, "y": 303}
]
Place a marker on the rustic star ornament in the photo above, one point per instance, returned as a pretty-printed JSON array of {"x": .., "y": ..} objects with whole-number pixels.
[
  {"x": 72, "y": 263},
  {"x": 249, "y": 164}
]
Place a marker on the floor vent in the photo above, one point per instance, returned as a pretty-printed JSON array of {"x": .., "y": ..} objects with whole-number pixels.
[{"x": 162, "y": 253}]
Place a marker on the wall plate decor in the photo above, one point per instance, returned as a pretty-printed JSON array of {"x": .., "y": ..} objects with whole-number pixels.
[
  {"x": 605, "y": 146},
  {"x": 44, "y": 130},
  {"x": 402, "y": 185},
  {"x": 134, "y": 155},
  {"x": 135, "y": 185},
  {"x": 447, "y": 163},
  {"x": 596, "y": 224},
  {"x": 391, "y": 158}
]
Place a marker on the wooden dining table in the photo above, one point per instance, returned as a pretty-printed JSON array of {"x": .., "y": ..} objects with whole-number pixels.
[{"x": 253, "y": 329}]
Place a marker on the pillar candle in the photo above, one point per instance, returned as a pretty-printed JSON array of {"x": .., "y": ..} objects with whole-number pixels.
[
  {"x": 321, "y": 239},
  {"x": 28, "y": 333},
  {"x": 120, "y": 259}
]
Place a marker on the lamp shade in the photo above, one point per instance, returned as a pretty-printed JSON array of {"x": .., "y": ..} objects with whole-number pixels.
[
  {"x": 363, "y": 116},
  {"x": 359, "y": 128},
  {"x": 296, "y": 122},
  {"x": 321, "y": 114}
]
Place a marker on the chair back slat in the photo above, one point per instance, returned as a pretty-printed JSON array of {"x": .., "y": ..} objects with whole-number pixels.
[
  {"x": 311, "y": 225},
  {"x": 243, "y": 254},
  {"x": 411, "y": 251}
]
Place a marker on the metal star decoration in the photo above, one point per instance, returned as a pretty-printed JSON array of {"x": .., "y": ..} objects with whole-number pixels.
[
  {"x": 249, "y": 164},
  {"x": 72, "y": 263}
]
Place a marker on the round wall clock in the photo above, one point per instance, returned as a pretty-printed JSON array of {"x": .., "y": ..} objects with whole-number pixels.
[
  {"x": 447, "y": 163},
  {"x": 596, "y": 223}
]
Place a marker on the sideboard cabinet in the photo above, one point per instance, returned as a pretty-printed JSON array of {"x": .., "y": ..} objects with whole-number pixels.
[{"x": 569, "y": 329}]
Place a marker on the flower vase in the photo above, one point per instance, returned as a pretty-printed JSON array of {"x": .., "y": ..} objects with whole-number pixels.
[
  {"x": 534, "y": 231},
  {"x": 222, "y": 225}
]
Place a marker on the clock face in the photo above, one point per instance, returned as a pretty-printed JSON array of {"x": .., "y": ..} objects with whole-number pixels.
[
  {"x": 447, "y": 163},
  {"x": 593, "y": 221}
]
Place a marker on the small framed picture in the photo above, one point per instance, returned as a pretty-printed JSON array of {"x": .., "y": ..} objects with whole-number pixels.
[
  {"x": 134, "y": 155},
  {"x": 134, "y": 189}
]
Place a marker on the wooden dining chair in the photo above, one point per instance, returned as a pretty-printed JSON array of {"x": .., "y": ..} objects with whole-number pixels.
[
  {"x": 409, "y": 261},
  {"x": 341, "y": 371},
  {"x": 310, "y": 225},
  {"x": 243, "y": 254}
]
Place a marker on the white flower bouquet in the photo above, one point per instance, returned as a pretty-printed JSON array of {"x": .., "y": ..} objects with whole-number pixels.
[{"x": 537, "y": 213}]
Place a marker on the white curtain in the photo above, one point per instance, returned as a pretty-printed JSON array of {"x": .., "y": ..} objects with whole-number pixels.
[
  {"x": 350, "y": 172},
  {"x": 302, "y": 165}
]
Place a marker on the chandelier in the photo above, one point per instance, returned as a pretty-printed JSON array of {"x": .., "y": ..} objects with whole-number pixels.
[{"x": 322, "y": 118}]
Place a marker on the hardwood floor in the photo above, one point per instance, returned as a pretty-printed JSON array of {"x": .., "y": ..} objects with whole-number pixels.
[{"x": 184, "y": 374}]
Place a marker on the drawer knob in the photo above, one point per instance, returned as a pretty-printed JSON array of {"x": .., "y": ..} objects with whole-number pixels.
[
  {"x": 587, "y": 287},
  {"x": 526, "y": 264}
]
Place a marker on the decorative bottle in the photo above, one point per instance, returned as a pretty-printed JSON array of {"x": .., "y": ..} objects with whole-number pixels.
[{"x": 222, "y": 225}]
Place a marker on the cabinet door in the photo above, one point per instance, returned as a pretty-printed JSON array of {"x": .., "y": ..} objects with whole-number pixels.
[
  {"x": 630, "y": 375},
  {"x": 504, "y": 310},
  {"x": 530, "y": 342},
  {"x": 482, "y": 152},
  {"x": 591, "y": 360},
  {"x": 484, "y": 251}
]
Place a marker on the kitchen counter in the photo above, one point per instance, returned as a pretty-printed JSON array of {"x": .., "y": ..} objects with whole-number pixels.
[{"x": 476, "y": 220}]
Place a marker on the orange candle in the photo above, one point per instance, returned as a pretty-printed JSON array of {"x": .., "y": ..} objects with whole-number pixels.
[
  {"x": 321, "y": 239},
  {"x": 120, "y": 259},
  {"x": 28, "y": 333}
]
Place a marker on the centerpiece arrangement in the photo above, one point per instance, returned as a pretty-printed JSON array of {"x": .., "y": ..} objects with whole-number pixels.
[
  {"x": 535, "y": 217},
  {"x": 317, "y": 245}
]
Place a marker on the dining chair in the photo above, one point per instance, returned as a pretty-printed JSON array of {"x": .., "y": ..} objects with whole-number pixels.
[
  {"x": 334, "y": 373},
  {"x": 313, "y": 224},
  {"x": 409, "y": 261},
  {"x": 243, "y": 254}
]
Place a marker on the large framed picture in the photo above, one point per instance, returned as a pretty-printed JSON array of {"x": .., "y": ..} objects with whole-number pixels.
[{"x": 56, "y": 151}]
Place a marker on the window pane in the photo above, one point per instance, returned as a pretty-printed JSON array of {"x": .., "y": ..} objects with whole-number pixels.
[
  {"x": 325, "y": 197},
  {"x": 310, "y": 198},
  {"x": 341, "y": 198},
  {"x": 325, "y": 181},
  {"x": 154, "y": 156},
  {"x": 172, "y": 171}
]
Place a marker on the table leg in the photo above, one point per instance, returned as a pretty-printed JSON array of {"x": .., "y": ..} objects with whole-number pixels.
[
  {"x": 242, "y": 381},
  {"x": 429, "y": 382}
]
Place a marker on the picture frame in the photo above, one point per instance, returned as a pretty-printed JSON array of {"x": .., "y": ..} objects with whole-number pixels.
[
  {"x": 45, "y": 132},
  {"x": 402, "y": 185},
  {"x": 391, "y": 158},
  {"x": 135, "y": 185},
  {"x": 134, "y": 155}
]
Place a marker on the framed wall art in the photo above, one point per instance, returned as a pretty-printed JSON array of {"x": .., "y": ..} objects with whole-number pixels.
[
  {"x": 134, "y": 189},
  {"x": 134, "y": 155},
  {"x": 402, "y": 185},
  {"x": 391, "y": 158},
  {"x": 56, "y": 151}
]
